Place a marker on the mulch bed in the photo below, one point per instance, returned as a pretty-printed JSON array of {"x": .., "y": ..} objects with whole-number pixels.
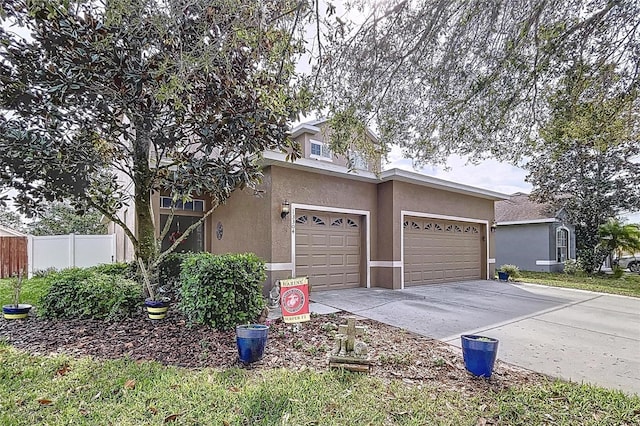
[{"x": 397, "y": 354}]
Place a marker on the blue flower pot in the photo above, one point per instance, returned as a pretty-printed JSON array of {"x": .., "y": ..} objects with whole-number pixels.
[
  {"x": 16, "y": 312},
  {"x": 156, "y": 309},
  {"x": 251, "y": 340},
  {"x": 503, "y": 276},
  {"x": 479, "y": 353}
]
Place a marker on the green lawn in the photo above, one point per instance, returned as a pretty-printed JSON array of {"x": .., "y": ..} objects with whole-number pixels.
[
  {"x": 58, "y": 390},
  {"x": 32, "y": 291},
  {"x": 627, "y": 285}
]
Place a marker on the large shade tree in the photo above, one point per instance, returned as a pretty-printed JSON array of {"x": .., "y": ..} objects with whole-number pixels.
[
  {"x": 469, "y": 77},
  {"x": 59, "y": 218},
  {"x": 589, "y": 156},
  {"x": 106, "y": 103},
  {"x": 12, "y": 220}
]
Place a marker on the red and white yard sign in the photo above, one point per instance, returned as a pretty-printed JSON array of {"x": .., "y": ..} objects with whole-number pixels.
[{"x": 294, "y": 300}]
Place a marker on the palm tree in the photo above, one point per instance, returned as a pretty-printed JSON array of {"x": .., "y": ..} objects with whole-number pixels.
[{"x": 616, "y": 237}]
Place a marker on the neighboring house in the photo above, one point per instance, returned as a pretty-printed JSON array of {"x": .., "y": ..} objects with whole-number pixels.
[
  {"x": 533, "y": 236},
  {"x": 8, "y": 232},
  {"x": 347, "y": 229}
]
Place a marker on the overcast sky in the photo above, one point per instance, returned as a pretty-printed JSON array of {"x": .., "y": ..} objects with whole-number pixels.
[{"x": 490, "y": 174}]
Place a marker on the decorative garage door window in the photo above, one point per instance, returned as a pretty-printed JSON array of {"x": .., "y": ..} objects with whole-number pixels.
[
  {"x": 318, "y": 221},
  {"x": 429, "y": 226},
  {"x": 302, "y": 219}
]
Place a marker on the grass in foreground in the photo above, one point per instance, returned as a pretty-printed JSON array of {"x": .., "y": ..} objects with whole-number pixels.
[
  {"x": 627, "y": 285},
  {"x": 32, "y": 291},
  {"x": 59, "y": 390}
]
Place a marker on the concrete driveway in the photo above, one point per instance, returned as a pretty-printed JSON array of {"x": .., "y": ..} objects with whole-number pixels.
[{"x": 572, "y": 334}]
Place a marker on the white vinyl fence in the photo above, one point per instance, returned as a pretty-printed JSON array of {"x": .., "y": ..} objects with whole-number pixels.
[{"x": 66, "y": 251}]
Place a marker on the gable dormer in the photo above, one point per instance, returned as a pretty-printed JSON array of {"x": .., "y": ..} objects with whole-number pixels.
[{"x": 314, "y": 138}]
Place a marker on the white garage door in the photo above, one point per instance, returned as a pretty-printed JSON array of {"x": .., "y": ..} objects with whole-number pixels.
[
  {"x": 328, "y": 248},
  {"x": 440, "y": 251}
]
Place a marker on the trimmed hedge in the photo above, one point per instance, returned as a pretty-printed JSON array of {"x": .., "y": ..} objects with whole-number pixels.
[
  {"x": 119, "y": 268},
  {"x": 85, "y": 293},
  {"x": 222, "y": 291}
]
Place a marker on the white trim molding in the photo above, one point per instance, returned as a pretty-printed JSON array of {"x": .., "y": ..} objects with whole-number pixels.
[
  {"x": 312, "y": 207},
  {"x": 404, "y": 213},
  {"x": 386, "y": 263},
  {"x": 564, "y": 228},
  {"x": 527, "y": 222},
  {"x": 432, "y": 182},
  {"x": 278, "y": 266},
  {"x": 547, "y": 262}
]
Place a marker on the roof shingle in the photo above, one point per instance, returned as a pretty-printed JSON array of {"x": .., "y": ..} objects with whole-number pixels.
[{"x": 520, "y": 208}]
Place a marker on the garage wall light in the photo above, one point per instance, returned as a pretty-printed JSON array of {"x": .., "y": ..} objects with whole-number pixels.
[
  {"x": 494, "y": 226},
  {"x": 284, "y": 211}
]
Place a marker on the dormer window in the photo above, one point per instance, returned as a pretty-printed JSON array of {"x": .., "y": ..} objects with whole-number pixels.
[{"x": 320, "y": 151}]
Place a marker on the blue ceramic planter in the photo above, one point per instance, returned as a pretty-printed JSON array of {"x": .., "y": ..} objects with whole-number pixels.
[
  {"x": 16, "y": 312},
  {"x": 479, "y": 354},
  {"x": 503, "y": 276},
  {"x": 251, "y": 340},
  {"x": 157, "y": 309}
]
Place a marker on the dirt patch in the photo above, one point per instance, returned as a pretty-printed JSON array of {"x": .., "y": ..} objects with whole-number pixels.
[{"x": 396, "y": 353}]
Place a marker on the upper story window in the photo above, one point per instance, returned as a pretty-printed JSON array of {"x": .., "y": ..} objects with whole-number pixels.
[
  {"x": 320, "y": 151},
  {"x": 359, "y": 162},
  {"x": 193, "y": 205},
  {"x": 562, "y": 244}
]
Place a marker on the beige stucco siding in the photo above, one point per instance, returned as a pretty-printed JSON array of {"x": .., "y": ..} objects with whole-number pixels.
[
  {"x": 417, "y": 198},
  {"x": 245, "y": 219},
  {"x": 300, "y": 187}
]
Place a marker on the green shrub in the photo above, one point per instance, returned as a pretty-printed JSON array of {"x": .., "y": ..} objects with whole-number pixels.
[
  {"x": 222, "y": 291},
  {"x": 43, "y": 273},
  {"x": 512, "y": 270},
  {"x": 84, "y": 293},
  {"x": 572, "y": 267},
  {"x": 119, "y": 269},
  {"x": 618, "y": 272}
]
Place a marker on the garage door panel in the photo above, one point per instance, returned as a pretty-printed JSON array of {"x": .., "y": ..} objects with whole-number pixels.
[
  {"x": 330, "y": 248},
  {"x": 319, "y": 240},
  {"x": 440, "y": 251}
]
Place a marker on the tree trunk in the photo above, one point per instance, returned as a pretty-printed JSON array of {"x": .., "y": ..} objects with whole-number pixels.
[{"x": 145, "y": 229}]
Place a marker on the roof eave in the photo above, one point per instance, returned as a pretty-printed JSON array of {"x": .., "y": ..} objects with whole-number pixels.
[
  {"x": 436, "y": 183},
  {"x": 270, "y": 158},
  {"x": 527, "y": 221},
  {"x": 303, "y": 128},
  {"x": 12, "y": 232}
]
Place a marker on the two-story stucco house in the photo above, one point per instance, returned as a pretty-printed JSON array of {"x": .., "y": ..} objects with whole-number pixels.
[{"x": 347, "y": 229}]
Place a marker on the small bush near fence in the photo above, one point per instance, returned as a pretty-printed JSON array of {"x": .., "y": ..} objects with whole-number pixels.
[
  {"x": 121, "y": 269},
  {"x": 85, "y": 293},
  {"x": 222, "y": 291}
]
